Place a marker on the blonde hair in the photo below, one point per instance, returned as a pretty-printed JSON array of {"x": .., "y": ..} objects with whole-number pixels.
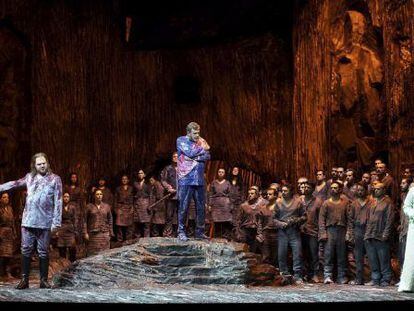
[
  {"x": 192, "y": 126},
  {"x": 33, "y": 170}
]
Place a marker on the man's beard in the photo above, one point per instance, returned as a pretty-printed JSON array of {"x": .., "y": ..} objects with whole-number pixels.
[{"x": 42, "y": 172}]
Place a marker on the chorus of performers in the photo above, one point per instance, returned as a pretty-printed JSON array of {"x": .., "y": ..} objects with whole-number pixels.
[{"x": 310, "y": 230}]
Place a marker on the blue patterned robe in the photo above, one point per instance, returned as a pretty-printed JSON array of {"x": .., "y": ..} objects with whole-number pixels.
[
  {"x": 43, "y": 207},
  {"x": 191, "y": 162}
]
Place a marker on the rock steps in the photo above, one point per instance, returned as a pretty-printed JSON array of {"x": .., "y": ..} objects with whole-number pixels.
[{"x": 161, "y": 261}]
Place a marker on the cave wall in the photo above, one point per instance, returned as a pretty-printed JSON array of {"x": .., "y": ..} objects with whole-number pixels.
[
  {"x": 100, "y": 107},
  {"x": 397, "y": 20},
  {"x": 14, "y": 95},
  {"x": 353, "y": 84}
]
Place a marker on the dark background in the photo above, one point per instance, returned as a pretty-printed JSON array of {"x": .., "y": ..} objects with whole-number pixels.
[{"x": 280, "y": 88}]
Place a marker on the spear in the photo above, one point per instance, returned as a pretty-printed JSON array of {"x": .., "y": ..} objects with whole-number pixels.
[{"x": 160, "y": 200}]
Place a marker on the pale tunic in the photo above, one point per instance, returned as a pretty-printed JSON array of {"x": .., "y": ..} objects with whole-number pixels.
[{"x": 407, "y": 275}]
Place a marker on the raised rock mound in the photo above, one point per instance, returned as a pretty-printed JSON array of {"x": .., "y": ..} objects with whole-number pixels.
[{"x": 154, "y": 261}]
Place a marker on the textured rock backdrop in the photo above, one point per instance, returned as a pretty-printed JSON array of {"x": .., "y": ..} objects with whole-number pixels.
[{"x": 339, "y": 92}]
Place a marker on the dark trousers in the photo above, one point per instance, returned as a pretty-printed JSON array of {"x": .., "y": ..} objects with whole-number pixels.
[
  {"x": 142, "y": 229},
  {"x": 290, "y": 237},
  {"x": 379, "y": 260},
  {"x": 359, "y": 252},
  {"x": 35, "y": 236},
  {"x": 122, "y": 233},
  {"x": 223, "y": 230},
  {"x": 269, "y": 247},
  {"x": 156, "y": 230},
  {"x": 335, "y": 245},
  {"x": 311, "y": 254},
  {"x": 401, "y": 250},
  {"x": 191, "y": 227},
  {"x": 4, "y": 261},
  {"x": 172, "y": 207},
  {"x": 72, "y": 252},
  {"x": 249, "y": 237},
  {"x": 185, "y": 194}
]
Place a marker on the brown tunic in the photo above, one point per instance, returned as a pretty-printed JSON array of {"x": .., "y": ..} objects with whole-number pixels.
[
  {"x": 236, "y": 197},
  {"x": 77, "y": 197},
  {"x": 380, "y": 219},
  {"x": 7, "y": 231},
  {"x": 334, "y": 214},
  {"x": 124, "y": 206},
  {"x": 159, "y": 210},
  {"x": 294, "y": 210},
  {"x": 141, "y": 202},
  {"x": 360, "y": 212},
  {"x": 322, "y": 192},
  {"x": 312, "y": 209},
  {"x": 98, "y": 225},
  {"x": 388, "y": 182},
  {"x": 348, "y": 193},
  {"x": 66, "y": 233},
  {"x": 77, "y": 194},
  {"x": 265, "y": 220},
  {"x": 248, "y": 214},
  {"x": 219, "y": 200}
]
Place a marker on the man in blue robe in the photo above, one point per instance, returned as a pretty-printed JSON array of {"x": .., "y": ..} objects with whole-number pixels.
[
  {"x": 193, "y": 152},
  {"x": 42, "y": 215}
]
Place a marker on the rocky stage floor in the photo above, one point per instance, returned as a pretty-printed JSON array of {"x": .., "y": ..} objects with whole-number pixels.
[
  {"x": 164, "y": 271},
  {"x": 165, "y": 294}
]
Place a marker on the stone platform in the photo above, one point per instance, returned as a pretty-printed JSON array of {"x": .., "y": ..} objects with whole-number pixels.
[{"x": 154, "y": 261}]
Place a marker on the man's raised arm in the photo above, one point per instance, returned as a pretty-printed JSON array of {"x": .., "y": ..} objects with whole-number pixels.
[{"x": 13, "y": 184}]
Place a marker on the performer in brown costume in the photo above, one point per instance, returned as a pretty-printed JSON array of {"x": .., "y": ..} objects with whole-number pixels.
[
  {"x": 7, "y": 235},
  {"x": 266, "y": 229},
  {"x": 350, "y": 180},
  {"x": 98, "y": 224},
  {"x": 289, "y": 216},
  {"x": 66, "y": 235},
  {"x": 386, "y": 179},
  {"x": 360, "y": 208},
  {"x": 377, "y": 236},
  {"x": 341, "y": 173},
  {"x": 334, "y": 176},
  {"x": 220, "y": 205},
  {"x": 159, "y": 210},
  {"x": 108, "y": 197},
  {"x": 142, "y": 214},
  {"x": 169, "y": 182},
  {"x": 366, "y": 179},
  {"x": 310, "y": 228},
  {"x": 322, "y": 186},
  {"x": 77, "y": 194},
  {"x": 78, "y": 197},
  {"x": 124, "y": 209},
  {"x": 236, "y": 191},
  {"x": 335, "y": 224},
  {"x": 246, "y": 225}
]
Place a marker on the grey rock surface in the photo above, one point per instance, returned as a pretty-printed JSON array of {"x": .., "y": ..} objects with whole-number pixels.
[
  {"x": 179, "y": 293},
  {"x": 161, "y": 261}
]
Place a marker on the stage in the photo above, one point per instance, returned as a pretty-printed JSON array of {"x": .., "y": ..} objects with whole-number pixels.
[
  {"x": 165, "y": 294},
  {"x": 164, "y": 270}
]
